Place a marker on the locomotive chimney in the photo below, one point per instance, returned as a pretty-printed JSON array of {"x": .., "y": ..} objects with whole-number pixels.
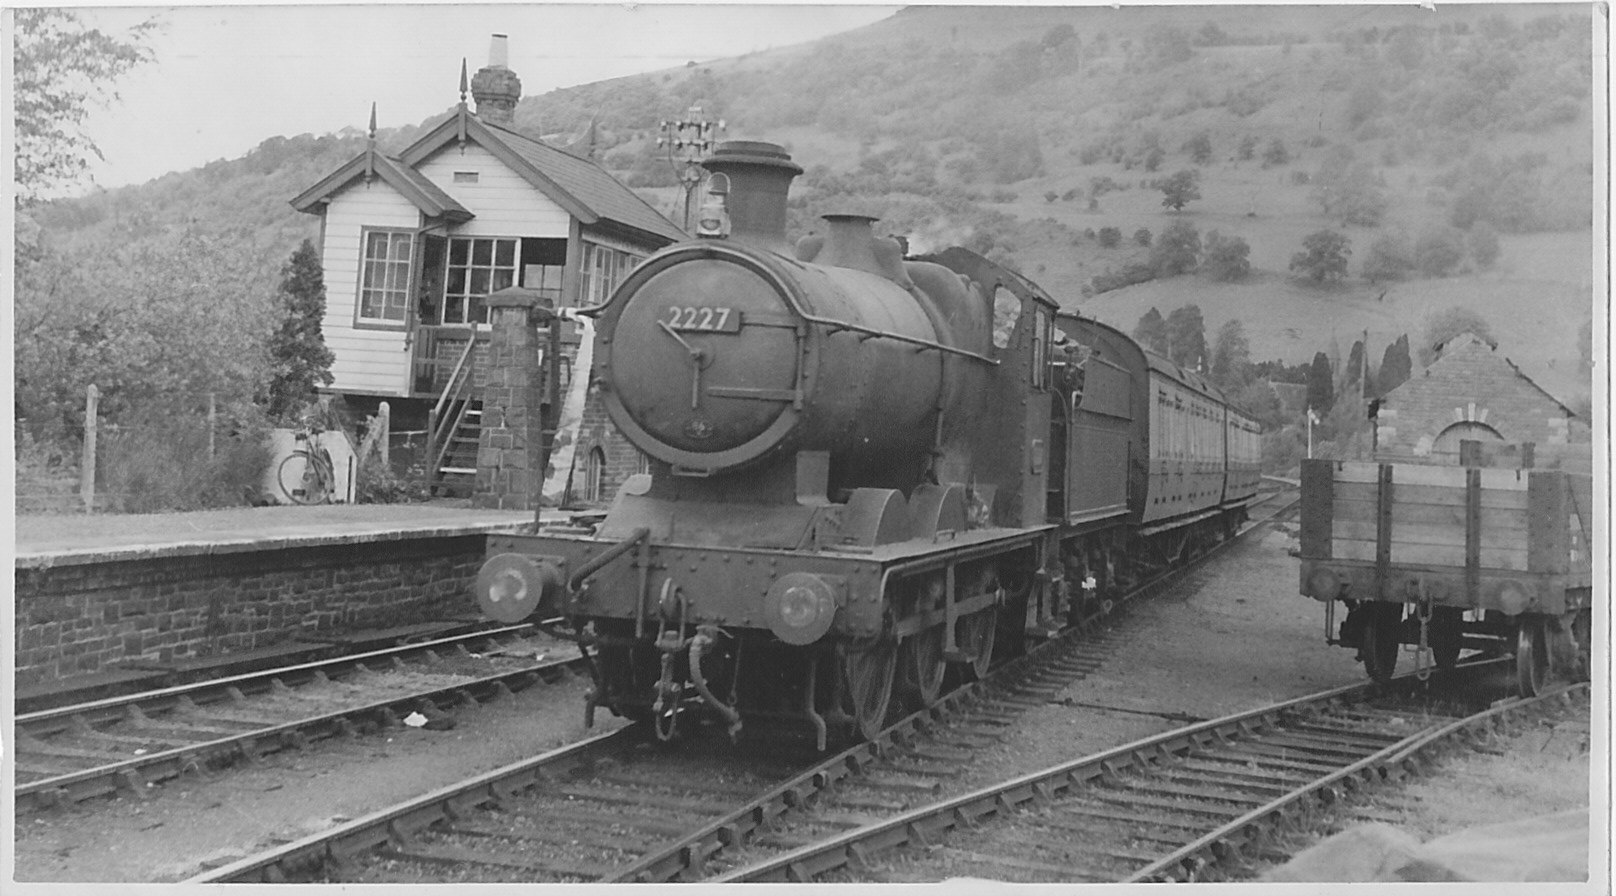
[
  {"x": 495, "y": 87},
  {"x": 759, "y": 176}
]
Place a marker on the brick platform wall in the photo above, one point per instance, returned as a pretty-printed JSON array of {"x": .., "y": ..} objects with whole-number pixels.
[{"x": 85, "y": 618}]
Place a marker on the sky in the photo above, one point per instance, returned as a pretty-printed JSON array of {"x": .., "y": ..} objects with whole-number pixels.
[{"x": 227, "y": 77}]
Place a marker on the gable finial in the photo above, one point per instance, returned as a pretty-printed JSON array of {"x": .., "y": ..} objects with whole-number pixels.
[
  {"x": 464, "y": 86},
  {"x": 370, "y": 146}
]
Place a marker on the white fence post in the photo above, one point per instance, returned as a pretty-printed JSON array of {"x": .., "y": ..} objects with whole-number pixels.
[
  {"x": 92, "y": 397},
  {"x": 384, "y": 422},
  {"x": 212, "y": 418}
]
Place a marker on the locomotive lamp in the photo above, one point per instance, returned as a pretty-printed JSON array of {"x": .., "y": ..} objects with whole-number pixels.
[
  {"x": 800, "y": 607},
  {"x": 712, "y": 221}
]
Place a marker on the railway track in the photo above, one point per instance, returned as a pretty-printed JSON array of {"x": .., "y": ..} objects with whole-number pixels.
[
  {"x": 1191, "y": 804},
  {"x": 123, "y": 745},
  {"x": 615, "y": 809}
]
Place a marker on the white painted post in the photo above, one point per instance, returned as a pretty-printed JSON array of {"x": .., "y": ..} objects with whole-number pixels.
[
  {"x": 384, "y": 422},
  {"x": 92, "y": 397},
  {"x": 213, "y": 412}
]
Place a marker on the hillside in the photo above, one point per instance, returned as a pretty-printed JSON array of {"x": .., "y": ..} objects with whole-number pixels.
[{"x": 1025, "y": 131}]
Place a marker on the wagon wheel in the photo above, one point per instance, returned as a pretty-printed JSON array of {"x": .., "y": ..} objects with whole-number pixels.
[
  {"x": 867, "y": 672},
  {"x": 921, "y": 659},
  {"x": 1382, "y": 632},
  {"x": 1532, "y": 656},
  {"x": 1446, "y": 635},
  {"x": 975, "y": 634}
]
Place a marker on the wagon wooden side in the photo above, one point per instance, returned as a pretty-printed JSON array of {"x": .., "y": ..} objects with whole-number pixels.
[{"x": 1446, "y": 557}]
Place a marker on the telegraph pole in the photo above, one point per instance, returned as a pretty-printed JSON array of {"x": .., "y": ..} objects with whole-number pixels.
[{"x": 688, "y": 140}]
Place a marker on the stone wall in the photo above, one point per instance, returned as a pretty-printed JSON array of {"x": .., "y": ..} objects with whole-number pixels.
[{"x": 86, "y": 617}]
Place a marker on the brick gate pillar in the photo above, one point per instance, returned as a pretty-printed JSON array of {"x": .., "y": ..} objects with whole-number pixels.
[{"x": 510, "y": 445}]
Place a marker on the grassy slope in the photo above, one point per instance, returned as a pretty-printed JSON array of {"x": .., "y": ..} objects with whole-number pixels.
[{"x": 1535, "y": 297}]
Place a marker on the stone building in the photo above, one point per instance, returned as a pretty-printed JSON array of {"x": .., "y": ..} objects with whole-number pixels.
[
  {"x": 1473, "y": 393},
  {"x": 414, "y": 244}
]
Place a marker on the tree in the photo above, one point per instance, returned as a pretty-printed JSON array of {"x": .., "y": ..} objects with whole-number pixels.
[
  {"x": 1180, "y": 189},
  {"x": 1231, "y": 357},
  {"x": 1177, "y": 250},
  {"x": 1186, "y": 337},
  {"x": 1275, "y": 154},
  {"x": 298, "y": 356},
  {"x": 1395, "y": 366},
  {"x": 1324, "y": 256},
  {"x": 1200, "y": 148},
  {"x": 1442, "y": 326},
  {"x": 1320, "y": 385},
  {"x": 62, "y": 71},
  {"x": 1483, "y": 243},
  {"x": 1110, "y": 237},
  {"x": 1351, "y": 195},
  {"x": 1352, "y": 374},
  {"x": 1438, "y": 251},
  {"x": 1227, "y": 258},
  {"x": 1151, "y": 332},
  {"x": 1388, "y": 258}
]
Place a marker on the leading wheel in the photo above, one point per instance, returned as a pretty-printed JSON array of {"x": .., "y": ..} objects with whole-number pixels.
[
  {"x": 921, "y": 659},
  {"x": 1532, "y": 656},
  {"x": 868, "y": 671},
  {"x": 1382, "y": 632}
]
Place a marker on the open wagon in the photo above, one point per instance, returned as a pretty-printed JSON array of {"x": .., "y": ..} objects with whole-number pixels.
[{"x": 1448, "y": 558}]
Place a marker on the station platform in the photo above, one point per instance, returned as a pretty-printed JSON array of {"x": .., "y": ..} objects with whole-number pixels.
[{"x": 49, "y": 540}]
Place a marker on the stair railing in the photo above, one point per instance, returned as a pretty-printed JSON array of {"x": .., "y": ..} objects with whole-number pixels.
[{"x": 449, "y": 414}]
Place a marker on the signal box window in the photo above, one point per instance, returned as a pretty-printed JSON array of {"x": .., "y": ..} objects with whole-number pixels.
[
  {"x": 384, "y": 276},
  {"x": 477, "y": 267}
]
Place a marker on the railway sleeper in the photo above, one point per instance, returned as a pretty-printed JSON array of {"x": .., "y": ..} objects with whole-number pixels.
[
  {"x": 1242, "y": 769},
  {"x": 1243, "y": 783},
  {"x": 1157, "y": 785},
  {"x": 456, "y": 856},
  {"x": 1094, "y": 827},
  {"x": 1313, "y": 746},
  {"x": 1270, "y": 755},
  {"x": 658, "y": 800},
  {"x": 582, "y": 815},
  {"x": 1150, "y": 819},
  {"x": 1122, "y": 798},
  {"x": 1063, "y": 872}
]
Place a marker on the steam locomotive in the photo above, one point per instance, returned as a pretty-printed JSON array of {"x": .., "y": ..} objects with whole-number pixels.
[{"x": 871, "y": 475}]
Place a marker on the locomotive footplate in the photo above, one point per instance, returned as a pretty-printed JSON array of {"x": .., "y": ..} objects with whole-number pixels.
[{"x": 741, "y": 631}]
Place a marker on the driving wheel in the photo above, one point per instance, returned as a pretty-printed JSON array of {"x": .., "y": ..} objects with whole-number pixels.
[
  {"x": 868, "y": 671},
  {"x": 975, "y": 636},
  {"x": 921, "y": 659}
]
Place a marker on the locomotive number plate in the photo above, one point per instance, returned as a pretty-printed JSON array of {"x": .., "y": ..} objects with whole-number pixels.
[{"x": 704, "y": 319}]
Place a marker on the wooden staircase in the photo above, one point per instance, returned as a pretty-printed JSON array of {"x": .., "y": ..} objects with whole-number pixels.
[{"x": 454, "y": 428}]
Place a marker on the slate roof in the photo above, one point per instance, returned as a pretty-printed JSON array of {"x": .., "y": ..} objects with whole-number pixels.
[
  {"x": 423, "y": 193},
  {"x": 578, "y": 185}
]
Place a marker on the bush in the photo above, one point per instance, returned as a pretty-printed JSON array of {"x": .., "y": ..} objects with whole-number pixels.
[
  {"x": 1142, "y": 236},
  {"x": 1110, "y": 237},
  {"x": 162, "y": 463},
  {"x": 381, "y": 484},
  {"x": 1227, "y": 258},
  {"x": 1439, "y": 251}
]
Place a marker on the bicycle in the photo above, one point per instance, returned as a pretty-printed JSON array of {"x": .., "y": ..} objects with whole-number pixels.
[{"x": 307, "y": 475}]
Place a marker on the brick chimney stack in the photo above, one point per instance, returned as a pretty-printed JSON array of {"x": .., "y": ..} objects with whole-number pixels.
[{"x": 495, "y": 87}]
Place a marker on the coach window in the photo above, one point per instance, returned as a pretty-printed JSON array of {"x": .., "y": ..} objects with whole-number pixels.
[{"x": 384, "y": 277}]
